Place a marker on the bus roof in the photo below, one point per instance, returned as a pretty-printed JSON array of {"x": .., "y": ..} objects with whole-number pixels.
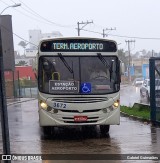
[{"x": 76, "y": 37}]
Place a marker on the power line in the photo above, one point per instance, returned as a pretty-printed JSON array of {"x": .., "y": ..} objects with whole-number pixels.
[
  {"x": 29, "y": 9},
  {"x": 41, "y": 17},
  {"x": 17, "y": 35},
  {"x": 92, "y": 31},
  {"x": 4, "y": 3},
  {"x": 33, "y": 13},
  {"x": 132, "y": 37},
  {"x": 123, "y": 36},
  {"x": 33, "y": 18},
  {"x": 137, "y": 37},
  {"x": 25, "y": 40},
  {"x": 12, "y": 1},
  {"x": 23, "y": 13}
]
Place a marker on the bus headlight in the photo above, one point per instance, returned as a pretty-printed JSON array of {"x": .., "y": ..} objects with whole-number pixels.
[
  {"x": 116, "y": 104},
  {"x": 112, "y": 107},
  {"x": 43, "y": 105}
]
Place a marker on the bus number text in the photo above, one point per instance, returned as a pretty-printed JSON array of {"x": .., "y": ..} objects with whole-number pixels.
[{"x": 59, "y": 105}]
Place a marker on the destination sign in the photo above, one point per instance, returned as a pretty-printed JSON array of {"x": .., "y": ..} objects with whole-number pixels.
[
  {"x": 57, "y": 86},
  {"x": 80, "y": 45}
]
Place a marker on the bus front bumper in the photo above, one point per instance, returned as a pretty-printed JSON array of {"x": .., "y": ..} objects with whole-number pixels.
[{"x": 68, "y": 119}]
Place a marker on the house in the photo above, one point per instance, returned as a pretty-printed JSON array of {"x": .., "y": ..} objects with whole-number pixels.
[{"x": 24, "y": 72}]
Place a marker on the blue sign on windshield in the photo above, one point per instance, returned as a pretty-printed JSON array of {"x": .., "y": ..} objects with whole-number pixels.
[{"x": 85, "y": 88}]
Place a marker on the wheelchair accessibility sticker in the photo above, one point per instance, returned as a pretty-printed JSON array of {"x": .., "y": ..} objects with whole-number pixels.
[{"x": 85, "y": 88}]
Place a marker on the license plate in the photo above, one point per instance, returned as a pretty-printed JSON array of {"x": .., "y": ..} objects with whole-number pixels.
[{"x": 80, "y": 118}]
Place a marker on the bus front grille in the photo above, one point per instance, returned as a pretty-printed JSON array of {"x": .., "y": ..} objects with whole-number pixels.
[
  {"x": 84, "y": 111},
  {"x": 80, "y": 100}
]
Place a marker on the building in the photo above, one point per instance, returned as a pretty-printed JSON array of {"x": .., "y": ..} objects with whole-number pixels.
[
  {"x": 36, "y": 35},
  {"x": 21, "y": 77},
  {"x": 34, "y": 38},
  {"x": 25, "y": 72},
  {"x": 138, "y": 64}
]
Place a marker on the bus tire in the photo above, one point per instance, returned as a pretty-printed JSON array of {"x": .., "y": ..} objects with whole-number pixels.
[
  {"x": 104, "y": 129},
  {"x": 47, "y": 130}
]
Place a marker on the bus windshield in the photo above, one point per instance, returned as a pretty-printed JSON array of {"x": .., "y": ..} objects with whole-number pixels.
[{"x": 78, "y": 75}]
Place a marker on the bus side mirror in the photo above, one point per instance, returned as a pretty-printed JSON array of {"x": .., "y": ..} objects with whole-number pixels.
[
  {"x": 119, "y": 71},
  {"x": 122, "y": 68}
]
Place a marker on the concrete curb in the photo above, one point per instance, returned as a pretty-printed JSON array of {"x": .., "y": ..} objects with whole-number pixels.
[
  {"x": 145, "y": 121},
  {"x": 16, "y": 102},
  {"x": 137, "y": 104},
  {"x": 137, "y": 118}
]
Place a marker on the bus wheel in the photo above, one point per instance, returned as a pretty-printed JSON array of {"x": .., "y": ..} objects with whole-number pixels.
[
  {"x": 47, "y": 130},
  {"x": 104, "y": 129}
]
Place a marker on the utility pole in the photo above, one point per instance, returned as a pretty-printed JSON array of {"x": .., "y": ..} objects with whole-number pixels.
[
  {"x": 129, "y": 60},
  {"x": 3, "y": 106},
  {"x": 152, "y": 53},
  {"x": 106, "y": 30},
  {"x": 84, "y": 24}
]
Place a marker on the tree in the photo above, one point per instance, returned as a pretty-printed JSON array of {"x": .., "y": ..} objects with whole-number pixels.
[
  {"x": 23, "y": 44},
  {"x": 21, "y": 63},
  {"x": 144, "y": 52},
  {"x": 122, "y": 56}
]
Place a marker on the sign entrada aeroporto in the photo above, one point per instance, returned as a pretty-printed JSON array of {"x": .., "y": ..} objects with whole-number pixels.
[{"x": 57, "y": 86}]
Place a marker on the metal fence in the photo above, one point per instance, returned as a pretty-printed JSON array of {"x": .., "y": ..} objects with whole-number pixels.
[
  {"x": 19, "y": 87},
  {"x": 154, "y": 68}
]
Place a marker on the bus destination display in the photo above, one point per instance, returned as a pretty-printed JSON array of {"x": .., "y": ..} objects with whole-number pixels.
[{"x": 78, "y": 45}]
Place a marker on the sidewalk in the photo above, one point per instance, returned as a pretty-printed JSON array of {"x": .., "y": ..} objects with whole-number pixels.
[{"x": 18, "y": 100}]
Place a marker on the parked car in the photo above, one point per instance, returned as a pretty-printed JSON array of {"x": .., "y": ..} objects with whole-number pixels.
[
  {"x": 138, "y": 81},
  {"x": 145, "y": 89}
]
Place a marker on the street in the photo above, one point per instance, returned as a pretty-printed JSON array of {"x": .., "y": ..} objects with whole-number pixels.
[
  {"x": 131, "y": 94},
  {"x": 130, "y": 137},
  {"x": 75, "y": 84}
]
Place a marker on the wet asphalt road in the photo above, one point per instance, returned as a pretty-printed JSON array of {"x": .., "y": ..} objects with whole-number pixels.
[
  {"x": 130, "y": 137},
  {"x": 131, "y": 94}
]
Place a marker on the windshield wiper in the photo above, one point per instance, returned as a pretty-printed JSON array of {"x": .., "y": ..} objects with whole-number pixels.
[
  {"x": 102, "y": 59},
  {"x": 66, "y": 64}
]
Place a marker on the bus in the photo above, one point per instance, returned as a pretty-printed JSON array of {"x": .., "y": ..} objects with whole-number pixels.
[{"x": 78, "y": 83}]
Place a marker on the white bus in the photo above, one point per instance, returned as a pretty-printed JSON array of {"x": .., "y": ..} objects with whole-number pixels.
[{"x": 78, "y": 83}]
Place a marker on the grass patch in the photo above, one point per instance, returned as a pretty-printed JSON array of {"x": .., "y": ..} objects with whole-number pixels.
[{"x": 142, "y": 112}]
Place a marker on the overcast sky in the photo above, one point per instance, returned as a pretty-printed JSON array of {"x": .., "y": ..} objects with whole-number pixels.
[{"x": 132, "y": 18}]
